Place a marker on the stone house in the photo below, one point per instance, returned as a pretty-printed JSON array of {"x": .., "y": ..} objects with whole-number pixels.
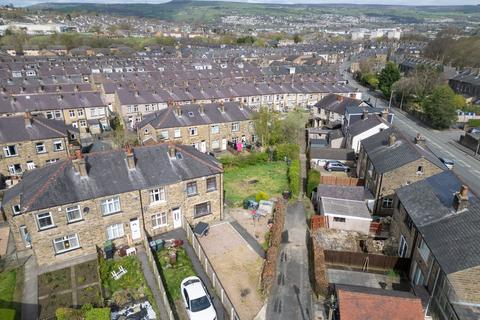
[
  {"x": 28, "y": 142},
  {"x": 389, "y": 160},
  {"x": 364, "y": 128},
  {"x": 435, "y": 223},
  {"x": 207, "y": 127},
  {"x": 71, "y": 207}
]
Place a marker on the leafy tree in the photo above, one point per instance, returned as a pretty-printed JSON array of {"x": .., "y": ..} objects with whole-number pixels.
[
  {"x": 440, "y": 107},
  {"x": 293, "y": 125},
  {"x": 297, "y": 38},
  {"x": 370, "y": 79},
  {"x": 388, "y": 76},
  {"x": 267, "y": 127}
]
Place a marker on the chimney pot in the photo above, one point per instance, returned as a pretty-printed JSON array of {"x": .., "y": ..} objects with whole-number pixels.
[
  {"x": 392, "y": 139},
  {"x": 79, "y": 164}
]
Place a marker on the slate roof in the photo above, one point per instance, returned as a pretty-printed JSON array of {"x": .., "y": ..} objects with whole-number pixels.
[
  {"x": 344, "y": 207},
  {"x": 365, "y": 124},
  {"x": 191, "y": 116},
  {"x": 13, "y": 129},
  {"x": 108, "y": 174},
  {"x": 360, "y": 303},
  {"x": 386, "y": 158},
  {"x": 337, "y": 103},
  {"x": 332, "y": 154},
  {"x": 343, "y": 192},
  {"x": 452, "y": 237}
]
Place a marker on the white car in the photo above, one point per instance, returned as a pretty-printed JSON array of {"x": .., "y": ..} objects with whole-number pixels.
[
  {"x": 197, "y": 300},
  {"x": 448, "y": 163}
]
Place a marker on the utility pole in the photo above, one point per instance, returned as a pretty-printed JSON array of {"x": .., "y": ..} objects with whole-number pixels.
[{"x": 390, "y": 102}]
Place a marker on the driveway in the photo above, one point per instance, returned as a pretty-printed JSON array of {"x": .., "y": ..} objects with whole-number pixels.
[
  {"x": 291, "y": 294},
  {"x": 180, "y": 234}
]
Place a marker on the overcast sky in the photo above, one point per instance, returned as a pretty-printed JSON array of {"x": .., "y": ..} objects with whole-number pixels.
[{"x": 396, "y": 2}]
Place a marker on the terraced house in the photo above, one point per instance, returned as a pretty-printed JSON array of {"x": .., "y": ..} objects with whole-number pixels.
[
  {"x": 66, "y": 209},
  {"x": 436, "y": 224},
  {"x": 28, "y": 142},
  {"x": 207, "y": 127}
]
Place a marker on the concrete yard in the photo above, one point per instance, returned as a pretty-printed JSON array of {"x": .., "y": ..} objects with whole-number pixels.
[{"x": 238, "y": 267}]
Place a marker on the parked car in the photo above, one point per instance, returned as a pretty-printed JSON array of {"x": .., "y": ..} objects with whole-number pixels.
[
  {"x": 448, "y": 163},
  {"x": 336, "y": 166},
  {"x": 474, "y": 130},
  {"x": 197, "y": 300}
]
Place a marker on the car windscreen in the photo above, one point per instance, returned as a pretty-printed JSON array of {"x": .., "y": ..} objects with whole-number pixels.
[{"x": 199, "y": 304}]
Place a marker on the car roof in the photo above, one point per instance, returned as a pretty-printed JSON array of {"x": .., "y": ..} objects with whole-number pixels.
[{"x": 195, "y": 289}]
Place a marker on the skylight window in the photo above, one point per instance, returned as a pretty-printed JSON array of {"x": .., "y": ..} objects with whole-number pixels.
[{"x": 190, "y": 114}]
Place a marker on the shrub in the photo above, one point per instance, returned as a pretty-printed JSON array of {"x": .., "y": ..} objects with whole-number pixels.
[
  {"x": 294, "y": 177},
  {"x": 289, "y": 150},
  {"x": 68, "y": 314},
  {"x": 98, "y": 314},
  {"x": 313, "y": 179},
  {"x": 244, "y": 160},
  {"x": 87, "y": 312},
  {"x": 474, "y": 123},
  {"x": 261, "y": 196}
]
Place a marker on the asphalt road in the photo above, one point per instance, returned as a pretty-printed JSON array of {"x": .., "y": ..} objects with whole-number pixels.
[
  {"x": 442, "y": 143},
  {"x": 291, "y": 294}
]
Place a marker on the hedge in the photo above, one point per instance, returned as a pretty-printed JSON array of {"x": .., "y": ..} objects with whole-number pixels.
[
  {"x": 244, "y": 160},
  {"x": 294, "y": 177},
  {"x": 289, "y": 150},
  {"x": 87, "y": 312},
  {"x": 313, "y": 180}
]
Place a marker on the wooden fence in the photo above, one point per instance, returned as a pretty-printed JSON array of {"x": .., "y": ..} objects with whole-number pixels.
[
  {"x": 161, "y": 287},
  {"x": 366, "y": 260},
  {"x": 210, "y": 271},
  {"x": 341, "y": 181}
]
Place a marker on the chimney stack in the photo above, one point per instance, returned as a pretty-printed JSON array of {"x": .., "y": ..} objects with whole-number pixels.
[
  {"x": 28, "y": 119},
  {"x": 420, "y": 140},
  {"x": 178, "y": 111},
  {"x": 241, "y": 105},
  {"x": 172, "y": 152},
  {"x": 202, "y": 108},
  {"x": 130, "y": 157},
  {"x": 384, "y": 114},
  {"x": 339, "y": 98},
  {"x": 79, "y": 164},
  {"x": 222, "y": 107},
  {"x": 365, "y": 114},
  {"x": 460, "y": 200},
  {"x": 391, "y": 139}
]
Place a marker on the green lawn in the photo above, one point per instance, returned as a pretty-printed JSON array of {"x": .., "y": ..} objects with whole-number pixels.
[
  {"x": 174, "y": 274},
  {"x": 239, "y": 183},
  {"x": 130, "y": 285},
  {"x": 9, "y": 308}
]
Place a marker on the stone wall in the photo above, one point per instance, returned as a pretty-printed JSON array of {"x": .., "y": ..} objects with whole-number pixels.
[{"x": 320, "y": 281}]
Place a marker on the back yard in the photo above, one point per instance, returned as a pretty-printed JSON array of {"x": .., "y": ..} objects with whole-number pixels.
[
  {"x": 10, "y": 294},
  {"x": 246, "y": 181}
]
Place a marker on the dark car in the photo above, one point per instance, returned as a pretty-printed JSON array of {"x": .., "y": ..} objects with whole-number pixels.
[{"x": 336, "y": 166}]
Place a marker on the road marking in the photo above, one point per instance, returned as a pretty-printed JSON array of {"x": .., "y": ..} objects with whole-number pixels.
[
  {"x": 465, "y": 164},
  {"x": 477, "y": 172}
]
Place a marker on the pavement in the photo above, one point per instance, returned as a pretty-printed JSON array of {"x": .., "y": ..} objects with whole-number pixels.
[
  {"x": 291, "y": 294},
  {"x": 252, "y": 242},
  {"x": 180, "y": 234},
  {"x": 442, "y": 143},
  {"x": 152, "y": 282},
  {"x": 30, "y": 290}
]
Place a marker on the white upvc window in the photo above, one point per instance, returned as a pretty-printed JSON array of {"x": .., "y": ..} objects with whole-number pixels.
[
  {"x": 110, "y": 205},
  {"x": 115, "y": 231},
  {"x": 164, "y": 134},
  {"x": 57, "y": 145},
  {"x": 423, "y": 250},
  {"x": 30, "y": 165},
  {"x": 15, "y": 169},
  {"x": 235, "y": 126},
  {"x": 80, "y": 112},
  {"x": 93, "y": 112},
  {"x": 387, "y": 203},
  {"x": 10, "y": 151},
  {"x": 74, "y": 213},
  {"x": 192, "y": 188},
  {"x": 215, "y": 128},
  {"x": 177, "y": 133},
  {"x": 71, "y": 113},
  {"x": 66, "y": 243},
  {"x": 83, "y": 123},
  {"x": 45, "y": 220},
  {"x": 215, "y": 144},
  {"x": 40, "y": 147},
  {"x": 193, "y": 131},
  {"x": 211, "y": 184},
  {"x": 58, "y": 114},
  {"x": 159, "y": 220},
  {"x": 16, "y": 209},
  {"x": 157, "y": 195},
  {"x": 202, "y": 209}
]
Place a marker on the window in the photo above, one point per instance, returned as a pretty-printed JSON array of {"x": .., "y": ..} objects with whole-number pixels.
[
  {"x": 211, "y": 184},
  {"x": 16, "y": 209},
  {"x": 27, "y": 241},
  {"x": 403, "y": 247},
  {"x": 49, "y": 114},
  {"x": 10, "y": 151},
  {"x": 110, "y": 205},
  {"x": 420, "y": 170},
  {"x": 40, "y": 147},
  {"x": 408, "y": 222},
  {"x": 58, "y": 114},
  {"x": 66, "y": 243},
  {"x": 235, "y": 126},
  {"x": 177, "y": 133},
  {"x": 164, "y": 134},
  {"x": 74, "y": 214},
  {"x": 57, "y": 145},
  {"x": 157, "y": 195},
  {"x": 71, "y": 113},
  {"x": 15, "y": 169},
  {"x": 387, "y": 203},
  {"x": 193, "y": 131},
  {"x": 80, "y": 112},
  {"x": 423, "y": 250},
  {"x": 215, "y": 144},
  {"x": 201, "y": 209},
  {"x": 338, "y": 219},
  {"x": 215, "y": 128},
  {"x": 44, "y": 220},
  {"x": 159, "y": 220},
  {"x": 191, "y": 188},
  {"x": 51, "y": 161},
  {"x": 30, "y": 165},
  {"x": 115, "y": 231},
  {"x": 83, "y": 123}
]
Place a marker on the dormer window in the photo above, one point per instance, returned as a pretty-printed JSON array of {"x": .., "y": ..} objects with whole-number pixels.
[
  {"x": 420, "y": 170},
  {"x": 16, "y": 209}
]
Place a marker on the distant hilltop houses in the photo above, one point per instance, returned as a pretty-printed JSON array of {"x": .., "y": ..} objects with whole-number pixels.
[
  {"x": 390, "y": 33},
  {"x": 37, "y": 29}
]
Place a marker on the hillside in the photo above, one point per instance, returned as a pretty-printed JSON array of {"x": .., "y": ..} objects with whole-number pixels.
[{"x": 212, "y": 11}]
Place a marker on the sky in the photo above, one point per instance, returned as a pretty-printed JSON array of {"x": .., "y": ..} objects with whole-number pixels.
[{"x": 19, "y": 3}]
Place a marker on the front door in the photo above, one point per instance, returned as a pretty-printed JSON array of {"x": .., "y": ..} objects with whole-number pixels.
[
  {"x": 224, "y": 144},
  {"x": 203, "y": 146},
  {"x": 177, "y": 217},
  {"x": 135, "y": 229}
]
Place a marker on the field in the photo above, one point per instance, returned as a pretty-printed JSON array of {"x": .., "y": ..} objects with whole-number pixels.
[{"x": 243, "y": 182}]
